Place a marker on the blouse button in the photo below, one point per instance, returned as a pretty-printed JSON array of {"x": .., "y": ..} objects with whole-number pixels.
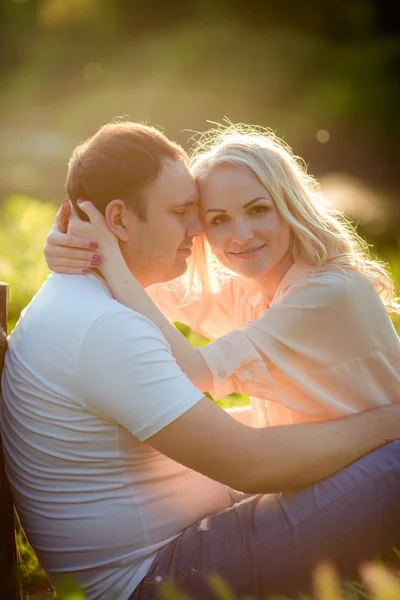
[{"x": 221, "y": 373}]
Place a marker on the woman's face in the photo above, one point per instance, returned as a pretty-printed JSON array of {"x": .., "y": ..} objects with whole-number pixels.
[{"x": 241, "y": 222}]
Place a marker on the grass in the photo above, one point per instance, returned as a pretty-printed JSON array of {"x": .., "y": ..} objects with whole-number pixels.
[{"x": 378, "y": 582}]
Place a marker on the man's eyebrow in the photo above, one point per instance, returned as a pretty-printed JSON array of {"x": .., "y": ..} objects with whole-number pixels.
[
  {"x": 186, "y": 204},
  {"x": 222, "y": 210}
]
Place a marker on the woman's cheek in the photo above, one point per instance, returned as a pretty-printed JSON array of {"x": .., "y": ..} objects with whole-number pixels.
[
  {"x": 211, "y": 238},
  {"x": 215, "y": 244}
]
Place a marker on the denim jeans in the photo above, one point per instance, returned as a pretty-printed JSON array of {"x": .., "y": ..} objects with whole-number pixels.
[{"x": 268, "y": 544}]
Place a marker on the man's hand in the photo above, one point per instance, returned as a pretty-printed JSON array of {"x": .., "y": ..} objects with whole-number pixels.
[{"x": 71, "y": 246}]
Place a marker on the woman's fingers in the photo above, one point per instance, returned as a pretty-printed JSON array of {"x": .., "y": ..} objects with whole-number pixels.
[
  {"x": 90, "y": 209},
  {"x": 56, "y": 238},
  {"x": 96, "y": 224},
  {"x": 66, "y": 259},
  {"x": 62, "y": 217},
  {"x": 76, "y": 263},
  {"x": 62, "y": 249},
  {"x": 80, "y": 228},
  {"x": 68, "y": 254},
  {"x": 70, "y": 247},
  {"x": 75, "y": 266}
]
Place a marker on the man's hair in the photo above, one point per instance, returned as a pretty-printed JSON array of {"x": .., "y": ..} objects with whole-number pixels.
[{"x": 119, "y": 162}]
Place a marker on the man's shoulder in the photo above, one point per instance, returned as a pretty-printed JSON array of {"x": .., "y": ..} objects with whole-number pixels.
[
  {"x": 88, "y": 300},
  {"x": 74, "y": 315},
  {"x": 121, "y": 327},
  {"x": 73, "y": 295},
  {"x": 67, "y": 307}
]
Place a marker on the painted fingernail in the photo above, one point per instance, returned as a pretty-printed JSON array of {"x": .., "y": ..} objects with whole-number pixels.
[
  {"x": 85, "y": 270},
  {"x": 80, "y": 200},
  {"x": 93, "y": 245},
  {"x": 95, "y": 263},
  {"x": 96, "y": 257}
]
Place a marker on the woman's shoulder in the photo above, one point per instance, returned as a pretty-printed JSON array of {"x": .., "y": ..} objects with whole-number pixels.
[
  {"x": 342, "y": 278},
  {"x": 335, "y": 277},
  {"x": 331, "y": 285}
]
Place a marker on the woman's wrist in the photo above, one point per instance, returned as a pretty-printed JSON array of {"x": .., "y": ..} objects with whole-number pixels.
[
  {"x": 122, "y": 283},
  {"x": 113, "y": 265}
]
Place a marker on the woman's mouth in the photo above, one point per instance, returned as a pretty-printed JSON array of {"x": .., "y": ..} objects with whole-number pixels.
[{"x": 248, "y": 253}]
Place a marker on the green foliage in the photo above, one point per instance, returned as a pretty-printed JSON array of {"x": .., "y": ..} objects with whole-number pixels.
[
  {"x": 295, "y": 71},
  {"x": 31, "y": 573},
  {"x": 68, "y": 589},
  {"x": 24, "y": 225},
  {"x": 378, "y": 583}
]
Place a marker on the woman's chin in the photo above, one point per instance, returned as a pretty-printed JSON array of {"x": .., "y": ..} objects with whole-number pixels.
[{"x": 249, "y": 270}]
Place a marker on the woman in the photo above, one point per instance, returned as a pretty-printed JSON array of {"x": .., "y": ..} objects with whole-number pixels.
[{"x": 280, "y": 277}]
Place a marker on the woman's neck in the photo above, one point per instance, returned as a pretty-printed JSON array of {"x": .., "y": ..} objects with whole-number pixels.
[{"x": 269, "y": 282}]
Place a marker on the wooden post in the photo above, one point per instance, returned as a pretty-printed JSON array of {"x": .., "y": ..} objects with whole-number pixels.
[{"x": 9, "y": 586}]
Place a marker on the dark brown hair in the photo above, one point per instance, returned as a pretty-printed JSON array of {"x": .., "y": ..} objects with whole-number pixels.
[{"x": 120, "y": 161}]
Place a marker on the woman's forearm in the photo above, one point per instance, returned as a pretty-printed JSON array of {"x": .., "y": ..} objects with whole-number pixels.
[{"x": 128, "y": 291}]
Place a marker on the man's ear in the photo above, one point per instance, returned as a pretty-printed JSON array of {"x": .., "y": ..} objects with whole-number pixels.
[{"x": 116, "y": 215}]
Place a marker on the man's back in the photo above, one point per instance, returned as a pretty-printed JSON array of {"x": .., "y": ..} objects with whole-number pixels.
[{"x": 94, "y": 499}]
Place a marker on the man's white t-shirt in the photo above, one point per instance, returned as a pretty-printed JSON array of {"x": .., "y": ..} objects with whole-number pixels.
[{"x": 86, "y": 382}]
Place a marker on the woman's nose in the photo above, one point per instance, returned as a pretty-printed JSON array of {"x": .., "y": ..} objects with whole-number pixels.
[{"x": 242, "y": 231}]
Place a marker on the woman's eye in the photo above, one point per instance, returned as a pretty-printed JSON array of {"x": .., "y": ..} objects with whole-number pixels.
[
  {"x": 218, "y": 220},
  {"x": 258, "y": 210}
]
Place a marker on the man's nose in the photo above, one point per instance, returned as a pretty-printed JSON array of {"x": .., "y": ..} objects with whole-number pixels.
[{"x": 194, "y": 226}]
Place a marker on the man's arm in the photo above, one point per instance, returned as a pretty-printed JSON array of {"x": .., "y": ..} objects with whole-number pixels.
[
  {"x": 126, "y": 373},
  {"x": 242, "y": 414},
  {"x": 272, "y": 459}
]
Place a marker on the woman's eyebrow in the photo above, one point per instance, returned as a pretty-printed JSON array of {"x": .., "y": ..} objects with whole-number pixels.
[
  {"x": 222, "y": 210},
  {"x": 254, "y": 200}
]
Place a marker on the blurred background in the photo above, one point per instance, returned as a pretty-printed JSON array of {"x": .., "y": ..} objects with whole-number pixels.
[{"x": 323, "y": 74}]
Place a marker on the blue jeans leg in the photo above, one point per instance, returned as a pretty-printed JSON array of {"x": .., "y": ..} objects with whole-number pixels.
[{"x": 271, "y": 543}]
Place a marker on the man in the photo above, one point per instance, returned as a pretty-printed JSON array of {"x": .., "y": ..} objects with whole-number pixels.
[{"x": 122, "y": 471}]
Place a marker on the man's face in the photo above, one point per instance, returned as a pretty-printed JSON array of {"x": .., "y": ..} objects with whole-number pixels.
[{"x": 157, "y": 249}]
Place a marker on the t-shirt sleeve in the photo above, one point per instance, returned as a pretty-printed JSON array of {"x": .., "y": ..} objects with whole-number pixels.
[
  {"x": 289, "y": 339},
  {"x": 127, "y": 373}
]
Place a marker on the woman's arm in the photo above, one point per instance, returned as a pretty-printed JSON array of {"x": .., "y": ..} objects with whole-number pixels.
[{"x": 127, "y": 290}]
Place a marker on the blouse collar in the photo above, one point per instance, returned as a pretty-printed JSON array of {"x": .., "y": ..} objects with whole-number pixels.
[{"x": 295, "y": 273}]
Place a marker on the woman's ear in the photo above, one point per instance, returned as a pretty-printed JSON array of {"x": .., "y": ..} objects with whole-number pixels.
[{"x": 116, "y": 214}]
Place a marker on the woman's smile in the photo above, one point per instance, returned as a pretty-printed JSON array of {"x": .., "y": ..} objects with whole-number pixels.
[{"x": 247, "y": 253}]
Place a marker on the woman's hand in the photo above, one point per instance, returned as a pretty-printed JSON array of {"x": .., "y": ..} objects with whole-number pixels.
[
  {"x": 71, "y": 246},
  {"x": 111, "y": 257}
]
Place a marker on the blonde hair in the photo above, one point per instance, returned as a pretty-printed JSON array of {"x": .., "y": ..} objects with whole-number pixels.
[{"x": 321, "y": 235}]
